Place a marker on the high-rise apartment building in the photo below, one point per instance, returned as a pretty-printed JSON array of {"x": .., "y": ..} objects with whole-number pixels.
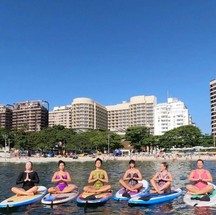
[
  {"x": 30, "y": 115},
  {"x": 6, "y": 116},
  {"x": 118, "y": 117},
  {"x": 88, "y": 114},
  {"x": 61, "y": 116},
  {"x": 139, "y": 111},
  {"x": 85, "y": 113},
  {"x": 170, "y": 115},
  {"x": 82, "y": 114},
  {"x": 213, "y": 106}
]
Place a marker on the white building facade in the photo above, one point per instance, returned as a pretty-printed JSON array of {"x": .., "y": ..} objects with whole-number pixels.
[{"x": 170, "y": 115}]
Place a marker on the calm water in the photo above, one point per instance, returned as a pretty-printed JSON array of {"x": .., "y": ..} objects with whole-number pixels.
[{"x": 115, "y": 169}]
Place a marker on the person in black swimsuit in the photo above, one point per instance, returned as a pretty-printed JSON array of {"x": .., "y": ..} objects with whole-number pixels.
[
  {"x": 131, "y": 178},
  {"x": 28, "y": 178}
]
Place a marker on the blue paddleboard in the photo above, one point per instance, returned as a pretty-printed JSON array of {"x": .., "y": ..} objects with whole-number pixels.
[
  {"x": 150, "y": 198},
  {"x": 120, "y": 194},
  {"x": 16, "y": 201}
]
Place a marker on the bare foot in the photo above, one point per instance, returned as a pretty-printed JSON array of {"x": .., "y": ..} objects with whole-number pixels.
[
  {"x": 160, "y": 192},
  {"x": 30, "y": 194},
  {"x": 152, "y": 191},
  {"x": 136, "y": 191}
]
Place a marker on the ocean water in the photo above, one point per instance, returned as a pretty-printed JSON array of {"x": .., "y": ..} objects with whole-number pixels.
[{"x": 80, "y": 172}]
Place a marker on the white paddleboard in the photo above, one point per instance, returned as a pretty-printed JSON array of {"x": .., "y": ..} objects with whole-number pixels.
[
  {"x": 197, "y": 203},
  {"x": 59, "y": 198},
  {"x": 16, "y": 201}
]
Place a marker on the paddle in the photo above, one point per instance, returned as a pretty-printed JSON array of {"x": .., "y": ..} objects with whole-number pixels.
[
  {"x": 90, "y": 197},
  {"x": 145, "y": 198},
  {"x": 126, "y": 194}
]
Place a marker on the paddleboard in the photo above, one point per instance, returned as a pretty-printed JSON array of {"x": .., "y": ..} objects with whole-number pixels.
[
  {"x": 92, "y": 198},
  {"x": 195, "y": 202},
  {"x": 153, "y": 198},
  {"x": 120, "y": 194},
  {"x": 16, "y": 201},
  {"x": 59, "y": 198}
]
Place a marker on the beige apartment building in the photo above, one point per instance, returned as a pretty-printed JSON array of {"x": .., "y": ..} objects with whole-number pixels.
[
  {"x": 61, "y": 116},
  {"x": 6, "y": 116},
  {"x": 30, "y": 115},
  {"x": 213, "y": 106},
  {"x": 139, "y": 111},
  {"x": 82, "y": 114},
  {"x": 85, "y": 113},
  {"x": 118, "y": 117},
  {"x": 88, "y": 114}
]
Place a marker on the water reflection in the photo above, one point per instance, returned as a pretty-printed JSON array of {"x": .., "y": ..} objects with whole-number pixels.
[
  {"x": 203, "y": 211},
  {"x": 80, "y": 172}
]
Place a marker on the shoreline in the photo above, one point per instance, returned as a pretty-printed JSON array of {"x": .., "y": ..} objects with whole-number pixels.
[{"x": 105, "y": 158}]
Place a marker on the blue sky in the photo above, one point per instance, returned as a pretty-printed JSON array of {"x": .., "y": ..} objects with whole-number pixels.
[{"x": 109, "y": 50}]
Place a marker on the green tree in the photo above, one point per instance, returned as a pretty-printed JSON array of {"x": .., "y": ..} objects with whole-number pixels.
[
  {"x": 184, "y": 136},
  {"x": 137, "y": 135}
]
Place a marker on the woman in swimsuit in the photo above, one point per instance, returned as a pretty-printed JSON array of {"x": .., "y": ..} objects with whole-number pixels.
[
  {"x": 62, "y": 178},
  {"x": 99, "y": 178},
  {"x": 200, "y": 177},
  {"x": 131, "y": 178},
  {"x": 161, "y": 181},
  {"x": 28, "y": 178}
]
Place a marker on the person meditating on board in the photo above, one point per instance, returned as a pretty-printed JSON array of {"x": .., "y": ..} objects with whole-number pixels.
[
  {"x": 161, "y": 181},
  {"x": 62, "y": 178},
  {"x": 130, "y": 180},
  {"x": 200, "y": 177},
  {"x": 28, "y": 178},
  {"x": 99, "y": 178}
]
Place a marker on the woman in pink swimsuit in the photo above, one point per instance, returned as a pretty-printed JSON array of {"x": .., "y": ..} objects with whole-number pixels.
[
  {"x": 62, "y": 178},
  {"x": 200, "y": 177}
]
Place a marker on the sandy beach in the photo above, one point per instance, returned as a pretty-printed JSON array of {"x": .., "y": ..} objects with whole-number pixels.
[{"x": 106, "y": 158}]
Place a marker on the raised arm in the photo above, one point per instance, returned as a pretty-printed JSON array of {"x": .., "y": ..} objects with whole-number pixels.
[
  {"x": 54, "y": 179},
  {"x": 68, "y": 179},
  {"x": 191, "y": 177},
  {"x": 20, "y": 178},
  {"x": 105, "y": 179},
  {"x": 155, "y": 177},
  {"x": 169, "y": 178},
  {"x": 35, "y": 178},
  {"x": 90, "y": 179},
  {"x": 125, "y": 177},
  {"x": 139, "y": 176},
  {"x": 209, "y": 177}
]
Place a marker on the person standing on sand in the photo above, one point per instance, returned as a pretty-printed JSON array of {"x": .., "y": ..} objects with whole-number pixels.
[
  {"x": 28, "y": 178},
  {"x": 200, "y": 177},
  {"x": 62, "y": 178},
  {"x": 131, "y": 178},
  {"x": 99, "y": 178}
]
